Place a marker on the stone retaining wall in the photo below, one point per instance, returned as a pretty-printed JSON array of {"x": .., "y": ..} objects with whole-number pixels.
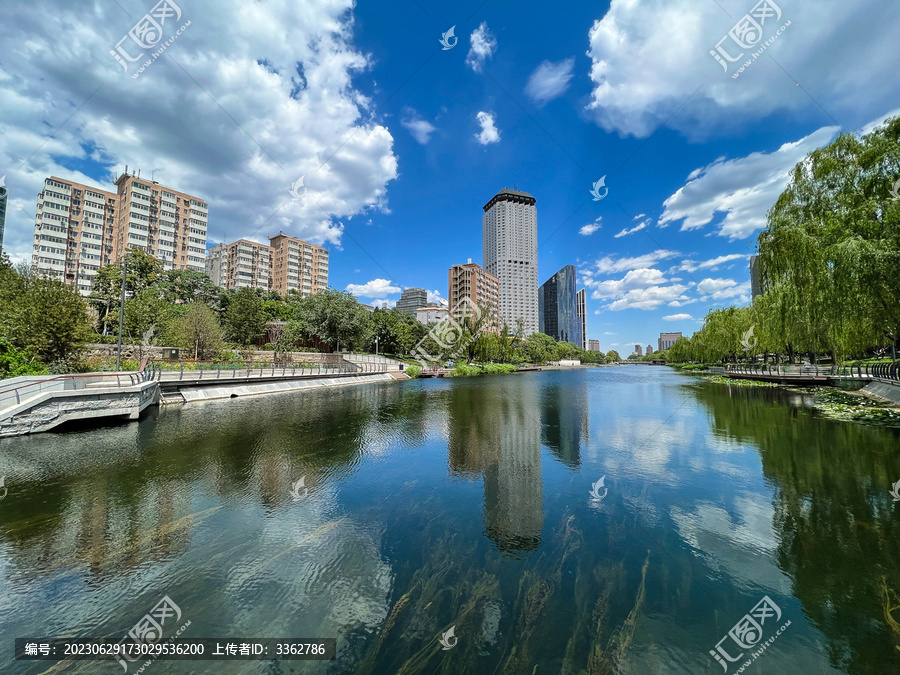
[{"x": 132, "y": 352}]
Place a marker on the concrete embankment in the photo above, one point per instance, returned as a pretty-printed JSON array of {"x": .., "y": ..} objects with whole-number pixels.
[
  {"x": 237, "y": 390},
  {"x": 889, "y": 392}
]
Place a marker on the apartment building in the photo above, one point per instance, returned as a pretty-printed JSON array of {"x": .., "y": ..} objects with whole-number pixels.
[
  {"x": 240, "y": 264},
  {"x": 594, "y": 345},
  {"x": 73, "y": 231},
  {"x": 472, "y": 282},
  {"x": 167, "y": 224},
  {"x": 298, "y": 266},
  {"x": 666, "y": 340}
]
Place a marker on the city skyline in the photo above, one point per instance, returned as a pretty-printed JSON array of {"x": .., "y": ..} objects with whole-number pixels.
[{"x": 382, "y": 146}]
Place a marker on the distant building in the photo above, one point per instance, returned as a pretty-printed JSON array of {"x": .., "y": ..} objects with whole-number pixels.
[
  {"x": 4, "y": 197},
  {"x": 755, "y": 288},
  {"x": 666, "y": 340},
  {"x": 556, "y": 307},
  {"x": 649, "y": 350},
  {"x": 581, "y": 313},
  {"x": 240, "y": 264},
  {"x": 594, "y": 345},
  {"x": 368, "y": 308},
  {"x": 474, "y": 283},
  {"x": 432, "y": 314},
  {"x": 509, "y": 243},
  {"x": 411, "y": 299},
  {"x": 298, "y": 266},
  {"x": 638, "y": 350}
]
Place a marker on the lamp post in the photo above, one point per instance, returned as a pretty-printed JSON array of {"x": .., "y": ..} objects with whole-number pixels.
[
  {"x": 121, "y": 314},
  {"x": 376, "y": 346}
]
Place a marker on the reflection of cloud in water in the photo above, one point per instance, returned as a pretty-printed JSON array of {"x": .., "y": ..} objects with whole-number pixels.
[
  {"x": 311, "y": 574},
  {"x": 742, "y": 546},
  {"x": 644, "y": 447}
]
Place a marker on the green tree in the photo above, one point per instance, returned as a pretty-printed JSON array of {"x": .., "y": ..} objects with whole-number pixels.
[
  {"x": 198, "y": 332},
  {"x": 613, "y": 355},
  {"x": 245, "y": 318},
  {"x": 144, "y": 272},
  {"x": 540, "y": 348},
  {"x": 335, "y": 317},
  {"x": 52, "y": 319},
  {"x": 186, "y": 286}
]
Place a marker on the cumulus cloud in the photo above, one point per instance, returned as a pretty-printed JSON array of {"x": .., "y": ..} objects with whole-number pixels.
[
  {"x": 377, "y": 289},
  {"x": 677, "y": 317},
  {"x": 723, "y": 289},
  {"x": 590, "y": 228},
  {"x": 420, "y": 129},
  {"x": 610, "y": 265},
  {"x": 254, "y": 128},
  {"x": 649, "y": 56},
  {"x": 549, "y": 80},
  {"x": 483, "y": 46},
  {"x": 744, "y": 189},
  {"x": 435, "y": 297},
  {"x": 639, "y": 289},
  {"x": 489, "y": 132}
]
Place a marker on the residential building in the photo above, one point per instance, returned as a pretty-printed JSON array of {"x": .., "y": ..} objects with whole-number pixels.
[
  {"x": 557, "y": 307},
  {"x": 509, "y": 241},
  {"x": 74, "y": 228},
  {"x": 755, "y": 288},
  {"x": 649, "y": 350},
  {"x": 581, "y": 313},
  {"x": 4, "y": 198},
  {"x": 168, "y": 224},
  {"x": 432, "y": 314},
  {"x": 471, "y": 282},
  {"x": 638, "y": 350},
  {"x": 298, "y": 266},
  {"x": 666, "y": 340},
  {"x": 240, "y": 264},
  {"x": 594, "y": 345},
  {"x": 411, "y": 299}
]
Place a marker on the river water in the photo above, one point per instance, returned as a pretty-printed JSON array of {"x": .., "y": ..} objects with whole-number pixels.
[{"x": 729, "y": 517}]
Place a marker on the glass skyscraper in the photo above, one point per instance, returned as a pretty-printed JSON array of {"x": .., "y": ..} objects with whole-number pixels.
[{"x": 557, "y": 308}]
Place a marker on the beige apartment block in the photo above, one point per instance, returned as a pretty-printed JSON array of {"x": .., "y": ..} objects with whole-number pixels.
[
  {"x": 73, "y": 231},
  {"x": 298, "y": 266},
  {"x": 240, "y": 264},
  {"x": 168, "y": 224},
  {"x": 475, "y": 283}
]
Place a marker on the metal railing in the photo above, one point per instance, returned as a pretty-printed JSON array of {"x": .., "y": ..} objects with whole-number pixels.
[
  {"x": 206, "y": 371},
  {"x": 888, "y": 372},
  {"x": 10, "y": 396}
]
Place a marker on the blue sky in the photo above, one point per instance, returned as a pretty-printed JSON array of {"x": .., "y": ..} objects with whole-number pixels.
[{"x": 400, "y": 142}]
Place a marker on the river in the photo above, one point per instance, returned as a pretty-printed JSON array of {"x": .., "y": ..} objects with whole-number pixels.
[{"x": 385, "y": 514}]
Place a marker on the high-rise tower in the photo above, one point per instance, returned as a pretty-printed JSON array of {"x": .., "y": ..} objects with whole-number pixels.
[{"x": 509, "y": 239}]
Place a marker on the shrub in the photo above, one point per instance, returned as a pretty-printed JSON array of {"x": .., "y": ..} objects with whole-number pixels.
[
  {"x": 414, "y": 371},
  {"x": 497, "y": 368},
  {"x": 463, "y": 370},
  {"x": 16, "y": 362}
]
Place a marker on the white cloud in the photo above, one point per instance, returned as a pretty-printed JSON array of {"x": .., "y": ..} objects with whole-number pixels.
[
  {"x": 299, "y": 113},
  {"x": 590, "y": 228},
  {"x": 649, "y": 56},
  {"x": 610, "y": 265},
  {"x": 489, "y": 132},
  {"x": 721, "y": 289},
  {"x": 608, "y": 333},
  {"x": 549, "y": 81},
  {"x": 484, "y": 44},
  {"x": 637, "y": 228},
  {"x": 744, "y": 189},
  {"x": 641, "y": 278},
  {"x": 377, "y": 289},
  {"x": 648, "y": 298},
  {"x": 677, "y": 317},
  {"x": 435, "y": 296},
  {"x": 639, "y": 289},
  {"x": 711, "y": 264},
  {"x": 420, "y": 129}
]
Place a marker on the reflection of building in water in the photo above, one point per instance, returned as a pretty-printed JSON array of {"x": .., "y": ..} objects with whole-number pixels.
[
  {"x": 495, "y": 432},
  {"x": 565, "y": 421}
]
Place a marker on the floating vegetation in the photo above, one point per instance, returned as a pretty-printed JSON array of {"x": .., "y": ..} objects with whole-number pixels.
[
  {"x": 850, "y": 407},
  {"x": 739, "y": 382}
]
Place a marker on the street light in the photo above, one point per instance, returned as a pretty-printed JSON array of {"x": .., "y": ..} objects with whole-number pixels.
[{"x": 376, "y": 346}]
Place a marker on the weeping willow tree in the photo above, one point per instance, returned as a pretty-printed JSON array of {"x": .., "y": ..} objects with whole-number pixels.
[{"x": 830, "y": 255}]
